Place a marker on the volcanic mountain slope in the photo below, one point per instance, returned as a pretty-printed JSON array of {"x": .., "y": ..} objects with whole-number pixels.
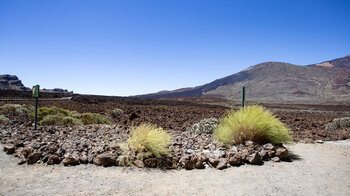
[{"x": 325, "y": 82}]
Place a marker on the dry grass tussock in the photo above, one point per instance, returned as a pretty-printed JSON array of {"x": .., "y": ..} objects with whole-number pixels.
[
  {"x": 251, "y": 123},
  {"x": 146, "y": 140}
]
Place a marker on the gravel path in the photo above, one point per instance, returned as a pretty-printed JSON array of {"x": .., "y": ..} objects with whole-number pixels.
[{"x": 321, "y": 169}]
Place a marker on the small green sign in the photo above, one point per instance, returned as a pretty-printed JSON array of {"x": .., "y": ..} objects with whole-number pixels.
[{"x": 35, "y": 91}]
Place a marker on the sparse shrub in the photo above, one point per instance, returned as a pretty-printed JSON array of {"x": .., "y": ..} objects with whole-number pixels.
[
  {"x": 92, "y": 118},
  {"x": 116, "y": 113},
  {"x": 145, "y": 141},
  {"x": 16, "y": 110},
  {"x": 338, "y": 123},
  {"x": 53, "y": 110},
  {"x": 162, "y": 107},
  {"x": 58, "y": 116},
  {"x": 60, "y": 120},
  {"x": 25, "y": 110},
  {"x": 9, "y": 109},
  {"x": 206, "y": 125},
  {"x": 3, "y": 119},
  {"x": 251, "y": 123}
]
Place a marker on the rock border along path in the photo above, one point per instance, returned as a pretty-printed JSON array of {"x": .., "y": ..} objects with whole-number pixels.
[{"x": 319, "y": 169}]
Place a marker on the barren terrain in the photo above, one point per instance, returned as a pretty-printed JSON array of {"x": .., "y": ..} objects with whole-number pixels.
[
  {"x": 314, "y": 169},
  {"x": 319, "y": 169}
]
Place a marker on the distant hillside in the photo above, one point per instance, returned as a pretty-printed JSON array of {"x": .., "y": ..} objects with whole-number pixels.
[
  {"x": 278, "y": 82},
  {"x": 11, "y": 82}
]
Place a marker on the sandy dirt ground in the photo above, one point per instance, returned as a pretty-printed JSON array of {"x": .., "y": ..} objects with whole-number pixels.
[{"x": 320, "y": 169}]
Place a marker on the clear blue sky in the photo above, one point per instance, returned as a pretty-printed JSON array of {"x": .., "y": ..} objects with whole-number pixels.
[{"x": 126, "y": 47}]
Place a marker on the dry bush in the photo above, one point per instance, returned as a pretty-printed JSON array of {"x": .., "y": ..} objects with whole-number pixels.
[
  {"x": 206, "y": 125},
  {"x": 16, "y": 110},
  {"x": 116, "y": 113},
  {"x": 92, "y": 118},
  {"x": 53, "y": 110},
  {"x": 145, "y": 141},
  {"x": 251, "y": 123},
  {"x": 60, "y": 120},
  {"x": 59, "y": 116},
  {"x": 338, "y": 123},
  {"x": 3, "y": 119}
]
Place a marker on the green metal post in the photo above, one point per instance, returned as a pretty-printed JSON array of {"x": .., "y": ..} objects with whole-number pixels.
[
  {"x": 243, "y": 97},
  {"x": 36, "y": 96},
  {"x": 36, "y": 113}
]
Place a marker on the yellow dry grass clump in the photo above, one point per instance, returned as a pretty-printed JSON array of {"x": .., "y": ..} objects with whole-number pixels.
[
  {"x": 147, "y": 140},
  {"x": 251, "y": 123}
]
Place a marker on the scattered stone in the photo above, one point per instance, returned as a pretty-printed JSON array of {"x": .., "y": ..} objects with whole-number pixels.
[
  {"x": 235, "y": 160},
  {"x": 91, "y": 158},
  {"x": 282, "y": 153},
  {"x": 189, "y": 151},
  {"x": 267, "y": 154},
  {"x": 25, "y": 152},
  {"x": 188, "y": 161},
  {"x": 218, "y": 154},
  {"x": 214, "y": 162},
  {"x": 45, "y": 158},
  {"x": 269, "y": 146},
  {"x": 222, "y": 164},
  {"x": 249, "y": 143},
  {"x": 139, "y": 164},
  {"x": 9, "y": 149},
  {"x": 200, "y": 160},
  {"x": 70, "y": 160},
  {"x": 244, "y": 152},
  {"x": 33, "y": 157},
  {"x": 319, "y": 141},
  {"x": 254, "y": 158},
  {"x": 275, "y": 159},
  {"x": 151, "y": 162},
  {"x": 21, "y": 162},
  {"x": 206, "y": 151},
  {"x": 105, "y": 160},
  {"x": 53, "y": 159},
  {"x": 83, "y": 159},
  {"x": 234, "y": 148},
  {"x": 133, "y": 116}
]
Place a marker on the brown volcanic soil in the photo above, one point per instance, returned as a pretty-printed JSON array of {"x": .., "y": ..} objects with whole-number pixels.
[{"x": 306, "y": 121}]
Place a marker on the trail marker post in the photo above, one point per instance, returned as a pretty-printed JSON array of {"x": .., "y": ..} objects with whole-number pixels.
[
  {"x": 243, "y": 97},
  {"x": 35, "y": 94}
]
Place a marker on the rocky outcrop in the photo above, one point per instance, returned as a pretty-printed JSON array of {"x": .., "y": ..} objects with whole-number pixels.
[{"x": 11, "y": 82}]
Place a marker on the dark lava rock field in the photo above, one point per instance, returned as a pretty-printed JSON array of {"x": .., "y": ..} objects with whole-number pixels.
[{"x": 100, "y": 144}]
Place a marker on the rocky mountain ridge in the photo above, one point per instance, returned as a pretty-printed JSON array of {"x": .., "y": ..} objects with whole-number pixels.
[
  {"x": 279, "y": 82},
  {"x": 11, "y": 82}
]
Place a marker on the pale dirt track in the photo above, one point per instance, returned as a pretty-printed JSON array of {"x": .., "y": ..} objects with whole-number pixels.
[{"x": 323, "y": 169}]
